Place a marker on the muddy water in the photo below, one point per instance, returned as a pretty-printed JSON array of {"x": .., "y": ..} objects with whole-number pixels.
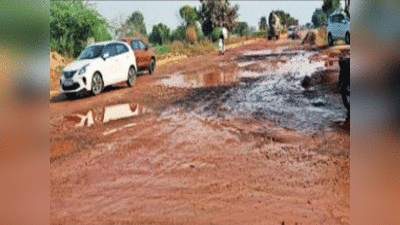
[
  {"x": 105, "y": 115},
  {"x": 271, "y": 92},
  {"x": 207, "y": 79}
]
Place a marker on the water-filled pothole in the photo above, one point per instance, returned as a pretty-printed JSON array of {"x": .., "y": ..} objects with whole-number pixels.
[
  {"x": 275, "y": 93},
  {"x": 102, "y": 115}
]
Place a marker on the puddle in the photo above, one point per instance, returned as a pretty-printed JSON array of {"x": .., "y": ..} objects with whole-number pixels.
[
  {"x": 119, "y": 129},
  {"x": 276, "y": 94},
  {"x": 106, "y": 114},
  {"x": 212, "y": 78}
]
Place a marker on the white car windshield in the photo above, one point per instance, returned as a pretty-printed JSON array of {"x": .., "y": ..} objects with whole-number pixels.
[{"x": 91, "y": 52}]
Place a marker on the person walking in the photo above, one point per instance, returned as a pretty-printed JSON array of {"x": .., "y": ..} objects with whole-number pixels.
[{"x": 221, "y": 44}]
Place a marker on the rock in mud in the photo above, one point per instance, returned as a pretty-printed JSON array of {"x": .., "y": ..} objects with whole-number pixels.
[
  {"x": 306, "y": 82},
  {"x": 318, "y": 102}
]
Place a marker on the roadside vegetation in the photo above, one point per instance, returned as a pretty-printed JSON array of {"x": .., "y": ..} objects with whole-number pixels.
[
  {"x": 72, "y": 24},
  {"x": 75, "y": 24}
]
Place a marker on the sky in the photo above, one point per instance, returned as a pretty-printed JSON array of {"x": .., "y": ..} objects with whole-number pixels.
[{"x": 167, "y": 12}]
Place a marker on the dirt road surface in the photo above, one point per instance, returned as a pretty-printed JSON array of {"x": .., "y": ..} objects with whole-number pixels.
[{"x": 243, "y": 138}]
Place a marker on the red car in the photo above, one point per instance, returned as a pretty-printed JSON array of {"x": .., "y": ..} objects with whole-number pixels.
[{"x": 145, "y": 58}]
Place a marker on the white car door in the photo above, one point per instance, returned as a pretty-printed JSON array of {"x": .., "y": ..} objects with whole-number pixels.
[
  {"x": 330, "y": 25},
  {"x": 109, "y": 67},
  {"x": 334, "y": 26},
  {"x": 124, "y": 61},
  {"x": 339, "y": 27}
]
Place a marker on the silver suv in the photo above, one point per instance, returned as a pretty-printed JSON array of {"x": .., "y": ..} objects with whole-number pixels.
[{"x": 338, "y": 28}]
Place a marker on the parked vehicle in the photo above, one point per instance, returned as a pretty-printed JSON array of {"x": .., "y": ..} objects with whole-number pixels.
[
  {"x": 99, "y": 65},
  {"x": 293, "y": 32},
  {"x": 274, "y": 26},
  {"x": 338, "y": 28},
  {"x": 145, "y": 57}
]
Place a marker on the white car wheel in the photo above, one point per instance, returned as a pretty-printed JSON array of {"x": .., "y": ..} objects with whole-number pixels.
[
  {"x": 131, "y": 76},
  {"x": 97, "y": 84}
]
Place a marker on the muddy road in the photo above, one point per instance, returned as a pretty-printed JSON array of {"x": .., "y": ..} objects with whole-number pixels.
[{"x": 256, "y": 136}]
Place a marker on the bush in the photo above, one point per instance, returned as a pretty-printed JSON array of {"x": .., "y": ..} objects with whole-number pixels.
[
  {"x": 200, "y": 36},
  {"x": 261, "y": 33},
  {"x": 241, "y": 29},
  {"x": 161, "y": 49},
  {"x": 216, "y": 34},
  {"x": 179, "y": 33},
  {"x": 71, "y": 24}
]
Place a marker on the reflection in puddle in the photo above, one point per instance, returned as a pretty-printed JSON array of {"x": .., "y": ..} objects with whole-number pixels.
[
  {"x": 107, "y": 114},
  {"x": 201, "y": 80}
]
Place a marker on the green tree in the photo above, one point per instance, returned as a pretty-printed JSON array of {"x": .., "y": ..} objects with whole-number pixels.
[
  {"x": 347, "y": 8},
  {"x": 318, "y": 17},
  {"x": 241, "y": 29},
  {"x": 217, "y": 13},
  {"x": 263, "y": 23},
  {"x": 188, "y": 14},
  {"x": 286, "y": 19},
  {"x": 179, "y": 33},
  {"x": 137, "y": 20},
  {"x": 71, "y": 24},
  {"x": 329, "y": 6},
  {"x": 160, "y": 34}
]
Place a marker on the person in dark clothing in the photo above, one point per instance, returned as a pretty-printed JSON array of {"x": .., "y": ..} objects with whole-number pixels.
[{"x": 344, "y": 83}]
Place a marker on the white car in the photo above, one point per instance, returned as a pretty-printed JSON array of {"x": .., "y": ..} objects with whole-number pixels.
[
  {"x": 293, "y": 32},
  {"x": 338, "y": 28},
  {"x": 99, "y": 65}
]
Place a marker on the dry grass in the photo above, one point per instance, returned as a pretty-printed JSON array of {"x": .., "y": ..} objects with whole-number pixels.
[
  {"x": 179, "y": 48},
  {"x": 191, "y": 35},
  {"x": 321, "y": 38}
]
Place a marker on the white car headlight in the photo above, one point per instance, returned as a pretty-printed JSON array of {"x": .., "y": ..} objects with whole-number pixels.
[{"x": 83, "y": 70}]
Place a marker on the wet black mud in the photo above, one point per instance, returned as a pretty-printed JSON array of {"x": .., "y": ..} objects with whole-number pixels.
[{"x": 277, "y": 96}]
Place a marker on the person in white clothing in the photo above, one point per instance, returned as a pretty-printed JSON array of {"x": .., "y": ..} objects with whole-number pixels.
[{"x": 221, "y": 44}]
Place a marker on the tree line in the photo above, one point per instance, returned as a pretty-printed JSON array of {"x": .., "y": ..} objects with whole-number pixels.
[
  {"x": 321, "y": 15},
  {"x": 72, "y": 23}
]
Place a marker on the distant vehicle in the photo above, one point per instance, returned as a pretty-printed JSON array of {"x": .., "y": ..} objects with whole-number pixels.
[
  {"x": 338, "y": 28},
  {"x": 145, "y": 57},
  {"x": 293, "y": 32},
  {"x": 274, "y": 26},
  {"x": 99, "y": 65}
]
